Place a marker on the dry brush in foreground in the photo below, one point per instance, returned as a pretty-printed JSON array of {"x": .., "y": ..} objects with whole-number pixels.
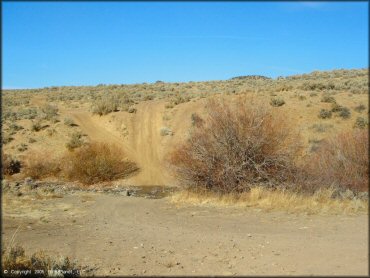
[
  {"x": 342, "y": 161},
  {"x": 237, "y": 145},
  {"x": 90, "y": 163}
]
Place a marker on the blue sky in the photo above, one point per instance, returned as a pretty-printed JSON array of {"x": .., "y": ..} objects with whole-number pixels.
[{"x": 87, "y": 43}]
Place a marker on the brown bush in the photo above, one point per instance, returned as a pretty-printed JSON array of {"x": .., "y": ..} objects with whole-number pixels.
[
  {"x": 238, "y": 145},
  {"x": 41, "y": 165},
  {"x": 342, "y": 161},
  {"x": 14, "y": 259},
  {"x": 97, "y": 162},
  {"x": 10, "y": 165}
]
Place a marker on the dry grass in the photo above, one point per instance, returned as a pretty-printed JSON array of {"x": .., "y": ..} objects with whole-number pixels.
[
  {"x": 342, "y": 161},
  {"x": 92, "y": 163},
  {"x": 41, "y": 165},
  {"x": 14, "y": 259},
  {"x": 97, "y": 162},
  {"x": 277, "y": 200},
  {"x": 239, "y": 144}
]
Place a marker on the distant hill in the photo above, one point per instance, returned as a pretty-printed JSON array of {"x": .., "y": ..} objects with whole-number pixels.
[{"x": 250, "y": 77}]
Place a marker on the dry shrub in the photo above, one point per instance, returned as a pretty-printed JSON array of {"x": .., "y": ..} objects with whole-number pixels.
[
  {"x": 320, "y": 202},
  {"x": 14, "y": 259},
  {"x": 342, "y": 161},
  {"x": 97, "y": 162},
  {"x": 10, "y": 165},
  {"x": 239, "y": 144},
  {"x": 41, "y": 165}
]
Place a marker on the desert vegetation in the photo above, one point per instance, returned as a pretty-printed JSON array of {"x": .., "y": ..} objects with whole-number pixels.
[
  {"x": 239, "y": 145},
  {"x": 91, "y": 163},
  {"x": 243, "y": 145},
  {"x": 97, "y": 162},
  {"x": 37, "y": 264},
  {"x": 233, "y": 147}
]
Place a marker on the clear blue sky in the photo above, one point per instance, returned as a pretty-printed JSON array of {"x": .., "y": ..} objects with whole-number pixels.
[{"x": 87, "y": 43}]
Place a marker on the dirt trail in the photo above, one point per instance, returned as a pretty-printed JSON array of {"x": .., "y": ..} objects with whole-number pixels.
[
  {"x": 147, "y": 142},
  {"x": 144, "y": 144},
  {"x": 136, "y": 236}
]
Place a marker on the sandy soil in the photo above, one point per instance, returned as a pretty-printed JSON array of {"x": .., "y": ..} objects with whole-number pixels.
[{"x": 121, "y": 235}]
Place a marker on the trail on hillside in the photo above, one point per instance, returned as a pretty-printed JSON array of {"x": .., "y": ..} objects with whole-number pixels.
[{"x": 143, "y": 146}]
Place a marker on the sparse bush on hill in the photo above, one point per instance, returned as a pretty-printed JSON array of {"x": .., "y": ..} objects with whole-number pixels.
[
  {"x": 75, "y": 141},
  {"x": 6, "y": 138},
  {"x": 178, "y": 99},
  {"x": 69, "y": 122},
  {"x": 22, "y": 147},
  {"x": 10, "y": 165},
  {"x": 321, "y": 127},
  {"x": 361, "y": 123},
  {"x": 345, "y": 113},
  {"x": 239, "y": 145},
  {"x": 342, "y": 161},
  {"x": 342, "y": 111},
  {"x": 105, "y": 106},
  {"x": 132, "y": 110},
  {"x": 97, "y": 162},
  {"x": 36, "y": 125},
  {"x": 166, "y": 131},
  {"x": 50, "y": 111},
  {"x": 276, "y": 102},
  {"x": 360, "y": 108},
  {"x": 325, "y": 114},
  {"x": 328, "y": 99}
]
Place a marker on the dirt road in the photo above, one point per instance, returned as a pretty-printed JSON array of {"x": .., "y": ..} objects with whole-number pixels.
[{"x": 122, "y": 235}]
